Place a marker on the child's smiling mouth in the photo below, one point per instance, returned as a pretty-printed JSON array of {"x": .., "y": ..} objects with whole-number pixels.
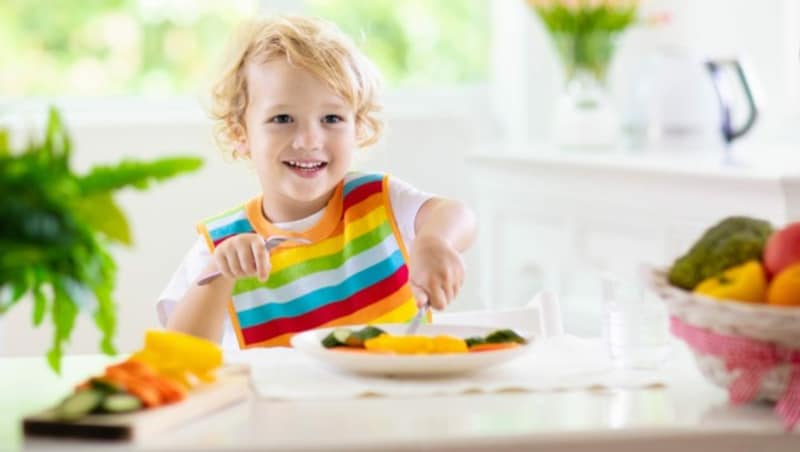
[{"x": 306, "y": 168}]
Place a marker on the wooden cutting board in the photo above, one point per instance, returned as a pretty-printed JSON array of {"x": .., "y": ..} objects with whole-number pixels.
[{"x": 232, "y": 386}]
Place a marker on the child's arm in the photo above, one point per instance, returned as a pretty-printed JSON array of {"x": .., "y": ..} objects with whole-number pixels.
[
  {"x": 201, "y": 311},
  {"x": 444, "y": 228}
]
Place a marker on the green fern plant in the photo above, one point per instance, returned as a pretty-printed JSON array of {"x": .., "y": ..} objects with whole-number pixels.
[{"x": 56, "y": 227}]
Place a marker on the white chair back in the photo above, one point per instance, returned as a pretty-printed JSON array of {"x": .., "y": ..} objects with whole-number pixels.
[{"x": 541, "y": 317}]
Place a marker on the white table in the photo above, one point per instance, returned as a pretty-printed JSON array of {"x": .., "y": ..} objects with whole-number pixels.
[{"x": 688, "y": 414}]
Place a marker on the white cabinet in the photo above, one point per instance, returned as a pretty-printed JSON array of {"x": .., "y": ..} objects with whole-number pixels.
[{"x": 560, "y": 220}]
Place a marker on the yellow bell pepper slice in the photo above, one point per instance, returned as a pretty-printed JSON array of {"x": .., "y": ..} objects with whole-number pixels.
[
  {"x": 416, "y": 345},
  {"x": 181, "y": 357}
]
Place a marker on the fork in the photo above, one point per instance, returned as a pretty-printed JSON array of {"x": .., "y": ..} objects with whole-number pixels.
[
  {"x": 417, "y": 320},
  {"x": 270, "y": 243}
]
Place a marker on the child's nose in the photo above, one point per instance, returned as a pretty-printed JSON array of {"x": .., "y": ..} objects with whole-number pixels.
[{"x": 308, "y": 137}]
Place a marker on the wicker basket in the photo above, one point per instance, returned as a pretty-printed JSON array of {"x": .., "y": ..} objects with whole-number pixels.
[{"x": 776, "y": 325}]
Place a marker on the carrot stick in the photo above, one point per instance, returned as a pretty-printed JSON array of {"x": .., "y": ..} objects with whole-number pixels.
[
  {"x": 149, "y": 395},
  {"x": 493, "y": 347}
]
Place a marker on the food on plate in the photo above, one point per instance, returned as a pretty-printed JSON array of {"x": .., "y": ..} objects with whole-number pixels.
[
  {"x": 745, "y": 282},
  {"x": 163, "y": 372},
  {"x": 347, "y": 337},
  {"x": 416, "y": 345},
  {"x": 505, "y": 336},
  {"x": 784, "y": 290},
  {"x": 731, "y": 242},
  {"x": 782, "y": 249},
  {"x": 374, "y": 340},
  {"x": 489, "y": 347}
]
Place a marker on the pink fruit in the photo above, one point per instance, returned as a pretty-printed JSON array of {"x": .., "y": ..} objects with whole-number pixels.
[{"x": 782, "y": 249}]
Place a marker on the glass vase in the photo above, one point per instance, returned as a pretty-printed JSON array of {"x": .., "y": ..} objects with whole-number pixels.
[{"x": 585, "y": 115}]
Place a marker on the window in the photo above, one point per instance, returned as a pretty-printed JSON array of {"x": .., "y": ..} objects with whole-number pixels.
[
  {"x": 416, "y": 42},
  {"x": 98, "y": 48},
  {"x": 164, "y": 48}
]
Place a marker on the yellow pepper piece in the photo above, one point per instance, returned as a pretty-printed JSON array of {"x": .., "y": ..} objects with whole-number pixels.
[
  {"x": 746, "y": 282},
  {"x": 415, "y": 345},
  {"x": 195, "y": 352},
  {"x": 181, "y": 357},
  {"x": 449, "y": 344}
]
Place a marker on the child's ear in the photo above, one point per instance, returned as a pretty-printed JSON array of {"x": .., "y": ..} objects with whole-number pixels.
[{"x": 241, "y": 150}]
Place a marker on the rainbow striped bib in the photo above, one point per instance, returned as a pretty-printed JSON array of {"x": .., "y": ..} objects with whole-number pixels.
[{"x": 353, "y": 272}]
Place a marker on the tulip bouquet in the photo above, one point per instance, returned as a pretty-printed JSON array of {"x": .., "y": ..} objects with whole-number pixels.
[{"x": 584, "y": 31}]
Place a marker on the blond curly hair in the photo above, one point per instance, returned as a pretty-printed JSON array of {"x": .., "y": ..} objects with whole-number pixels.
[{"x": 315, "y": 45}]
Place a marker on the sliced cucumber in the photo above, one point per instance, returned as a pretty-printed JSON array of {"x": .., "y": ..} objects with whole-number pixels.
[
  {"x": 357, "y": 338},
  {"x": 342, "y": 335},
  {"x": 79, "y": 404},
  {"x": 368, "y": 332},
  {"x": 121, "y": 403},
  {"x": 107, "y": 386},
  {"x": 350, "y": 338},
  {"x": 336, "y": 338}
]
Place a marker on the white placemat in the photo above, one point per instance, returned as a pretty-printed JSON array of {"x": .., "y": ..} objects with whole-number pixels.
[{"x": 557, "y": 363}]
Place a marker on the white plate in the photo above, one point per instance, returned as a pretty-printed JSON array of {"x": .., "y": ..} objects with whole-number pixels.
[{"x": 309, "y": 343}]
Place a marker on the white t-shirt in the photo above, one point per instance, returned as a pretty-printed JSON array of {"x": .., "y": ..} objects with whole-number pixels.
[{"x": 406, "y": 201}]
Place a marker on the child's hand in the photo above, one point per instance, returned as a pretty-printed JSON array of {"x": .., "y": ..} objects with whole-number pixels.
[
  {"x": 242, "y": 256},
  {"x": 436, "y": 271}
]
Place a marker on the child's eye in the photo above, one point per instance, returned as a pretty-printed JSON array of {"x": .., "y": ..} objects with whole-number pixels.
[
  {"x": 332, "y": 119},
  {"x": 281, "y": 119}
]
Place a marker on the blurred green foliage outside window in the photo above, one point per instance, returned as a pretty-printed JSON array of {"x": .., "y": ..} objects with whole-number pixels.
[
  {"x": 416, "y": 42},
  {"x": 90, "y": 48}
]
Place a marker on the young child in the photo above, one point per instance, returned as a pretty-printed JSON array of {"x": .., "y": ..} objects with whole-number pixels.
[{"x": 297, "y": 98}]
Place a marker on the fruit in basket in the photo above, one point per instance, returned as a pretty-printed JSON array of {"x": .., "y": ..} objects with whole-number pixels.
[
  {"x": 731, "y": 242},
  {"x": 746, "y": 282},
  {"x": 784, "y": 289},
  {"x": 782, "y": 249}
]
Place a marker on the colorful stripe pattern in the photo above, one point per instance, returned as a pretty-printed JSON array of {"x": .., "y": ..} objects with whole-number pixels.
[{"x": 356, "y": 274}]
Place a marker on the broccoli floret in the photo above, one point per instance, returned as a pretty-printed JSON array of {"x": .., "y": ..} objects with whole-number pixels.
[{"x": 731, "y": 242}]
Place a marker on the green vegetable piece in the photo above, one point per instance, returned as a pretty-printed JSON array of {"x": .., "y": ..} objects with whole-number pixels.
[
  {"x": 79, "y": 404},
  {"x": 503, "y": 336},
  {"x": 336, "y": 338},
  {"x": 358, "y": 337},
  {"x": 731, "y": 242},
  {"x": 106, "y": 386},
  {"x": 121, "y": 403},
  {"x": 476, "y": 340},
  {"x": 368, "y": 332}
]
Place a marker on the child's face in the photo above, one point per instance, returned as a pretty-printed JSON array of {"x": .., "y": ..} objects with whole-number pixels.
[{"x": 300, "y": 135}]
